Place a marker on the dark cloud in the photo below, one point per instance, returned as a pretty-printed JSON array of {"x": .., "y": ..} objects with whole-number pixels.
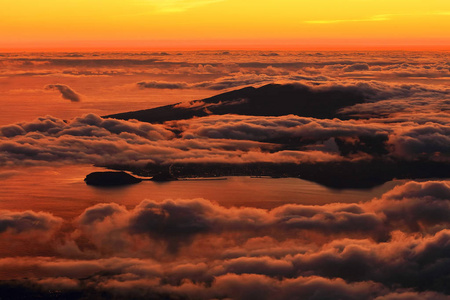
[
  {"x": 162, "y": 85},
  {"x": 19, "y": 222},
  {"x": 432, "y": 189},
  {"x": 356, "y": 67},
  {"x": 66, "y": 92},
  {"x": 428, "y": 140},
  {"x": 12, "y": 130},
  {"x": 99, "y": 212}
]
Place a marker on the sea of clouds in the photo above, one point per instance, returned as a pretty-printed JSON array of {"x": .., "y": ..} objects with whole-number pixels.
[{"x": 393, "y": 247}]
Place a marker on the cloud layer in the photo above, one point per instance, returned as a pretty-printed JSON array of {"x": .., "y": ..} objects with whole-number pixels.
[
  {"x": 395, "y": 246},
  {"x": 229, "y": 138},
  {"x": 400, "y": 249}
]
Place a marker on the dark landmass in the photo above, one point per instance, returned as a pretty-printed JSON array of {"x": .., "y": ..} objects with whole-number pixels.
[
  {"x": 110, "y": 179},
  {"x": 268, "y": 100},
  {"x": 338, "y": 175},
  {"x": 322, "y": 102}
]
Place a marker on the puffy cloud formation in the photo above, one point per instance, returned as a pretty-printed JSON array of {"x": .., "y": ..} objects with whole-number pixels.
[
  {"x": 356, "y": 67},
  {"x": 317, "y": 252},
  {"x": 92, "y": 139},
  {"x": 413, "y": 207},
  {"x": 227, "y": 138},
  {"x": 428, "y": 140},
  {"x": 86, "y": 139},
  {"x": 270, "y": 128},
  {"x": 66, "y": 92},
  {"x": 22, "y": 222}
]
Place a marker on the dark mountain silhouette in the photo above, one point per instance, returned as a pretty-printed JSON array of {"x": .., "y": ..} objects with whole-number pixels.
[
  {"x": 268, "y": 100},
  {"x": 110, "y": 179},
  {"x": 323, "y": 102}
]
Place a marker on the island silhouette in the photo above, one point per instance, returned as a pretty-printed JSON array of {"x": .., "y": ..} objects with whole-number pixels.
[{"x": 320, "y": 102}]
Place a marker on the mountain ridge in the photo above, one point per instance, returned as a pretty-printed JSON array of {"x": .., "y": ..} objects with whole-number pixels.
[{"x": 268, "y": 100}]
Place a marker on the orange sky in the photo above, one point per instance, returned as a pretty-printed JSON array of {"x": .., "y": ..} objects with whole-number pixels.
[{"x": 223, "y": 23}]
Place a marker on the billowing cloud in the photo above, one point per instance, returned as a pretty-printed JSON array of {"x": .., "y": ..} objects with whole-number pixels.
[
  {"x": 357, "y": 67},
  {"x": 91, "y": 139},
  {"x": 66, "y": 92},
  {"x": 19, "y": 222},
  {"x": 414, "y": 207},
  {"x": 428, "y": 140},
  {"x": 219, "y": 139},
  {"x": 247, "y": 253},
  {"x": 270, "y": 128}
]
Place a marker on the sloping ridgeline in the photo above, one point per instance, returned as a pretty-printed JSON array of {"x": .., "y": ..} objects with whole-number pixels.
[{"x": 269, "y": 100}]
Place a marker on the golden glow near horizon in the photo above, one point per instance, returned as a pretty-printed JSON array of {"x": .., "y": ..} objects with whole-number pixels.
[{"x": 37, "y": 23}]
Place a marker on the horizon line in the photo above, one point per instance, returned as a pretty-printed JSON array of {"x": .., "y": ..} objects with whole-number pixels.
[{"x": 225, "y": 45}]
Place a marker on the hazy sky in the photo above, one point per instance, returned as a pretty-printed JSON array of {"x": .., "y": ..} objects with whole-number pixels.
[{"x": 218, "y": 23}]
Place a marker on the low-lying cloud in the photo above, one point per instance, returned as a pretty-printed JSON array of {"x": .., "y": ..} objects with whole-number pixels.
[{"x": 221, "y": 139}]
